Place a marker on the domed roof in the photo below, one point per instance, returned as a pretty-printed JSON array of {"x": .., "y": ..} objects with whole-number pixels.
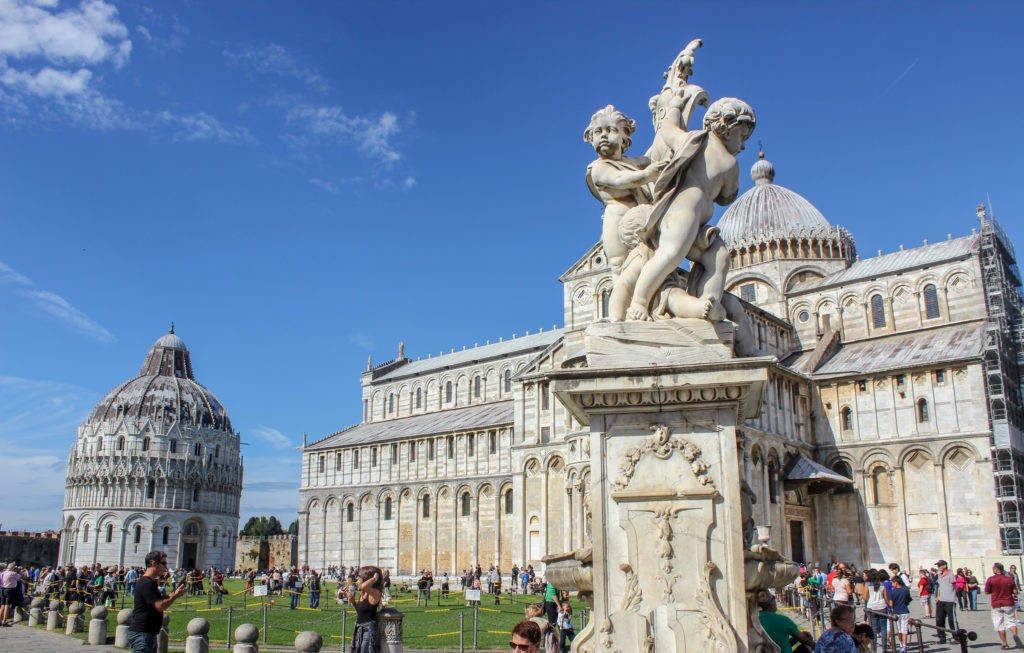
[
  {"x": 165, "y": 389},
  {"x": 771, "y": 210}
]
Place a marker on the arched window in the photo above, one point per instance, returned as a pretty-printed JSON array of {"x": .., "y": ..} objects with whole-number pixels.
[
  {"x": 391, "y": 403},
  {"x": 387, "y": 509},
  {"x": 85, "y": 533},
  {"x": 448, "y": 392},
  {"x": 120, "y": 444},
  {"x": 877, "y": 312},
  {"x": 465, "y": 504},
  {"x": 931, "y": 302},
  {"x": 773, "y": 482},
  {"x": 430, "y": 449},
  {"x": 195, "y": 494},
  {"x": 922, "y": 411},
  {"x": 138, "y": 534},
  {"x": 320, "y": 464},
  {"x": 846, "y": 419},
  {"x": 880, "y": 486},
  {"x": 508, "y": 502},
  {"x": 151, "y": 489},
  {"x": 350, "y": 512},
  {"x": 493, "y": 437},
  {"x": 451, "y": 446},
  {"x": 508, "y": 380},
  {"x": 145, "y": 444},
  {"x": 998, "y": 409},
  {"x": 476, "y": 387},
  {"x": 167, "y": 534},
  {"x": 198, "y": 449},
  {"x": 174, "y": 446},
  {"x": 355, "y": 459},
  {"x": 844, "y": 468},
  {"x": 426, "y": 506},
  {"x": 373, "y": 457},
  {"x": 110, "y": 532},
  {"x": 470, "y": 445},
  {"x": 606, "y": 297},
  {"x": 215, "y": 537},
  {"x": 419, "y": 397},
  {"x": 412, "y": 452}
]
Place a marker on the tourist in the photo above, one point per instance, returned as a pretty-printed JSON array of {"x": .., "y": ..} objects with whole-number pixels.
[
  {"x": 217, "y": 587},
  {"x": 445, "y": 585},
  {"x": 365, "y": 636},
  {"x": 876, "y": 603},
  {"x": 960, "y": 584},
  {"x": 841, "y": 588},
  {"x": 894, "y": 570},
  {"x": 150, "y": 604},
  {"x": 550, "y": 602},
  {"x": 525, "y": 637},
  {"x": 10, "y": 581},
  {"x": 515, "y": 576},
  {"x": 972, "y": 590},
  {"x": 1003, "y": 591},
  {"x": 781, "y": 628},
  {"x": 424, "y": 584},
  {"x": 293, "y": 585},
  {"x": 925, "y": 589},
  {"x": 838, "y": 638},
  {"x": 899, "y": 604},
  {"x": 130, "y": 579},
  {"x": 549, "y": 635},
  {"x": 566, "y": 628},
  {"x": 945, "y": 600},
  {"x": 314, "y": 590}
]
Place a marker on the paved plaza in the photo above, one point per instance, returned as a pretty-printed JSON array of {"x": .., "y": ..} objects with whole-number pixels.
[{"x": 22, "y": 639}]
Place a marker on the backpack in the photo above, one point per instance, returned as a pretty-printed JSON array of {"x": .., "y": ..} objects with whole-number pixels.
[{"x": 932, "y": 585}]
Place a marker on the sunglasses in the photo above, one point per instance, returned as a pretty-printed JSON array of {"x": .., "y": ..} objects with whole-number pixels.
[{"x": 519, "y": 647}]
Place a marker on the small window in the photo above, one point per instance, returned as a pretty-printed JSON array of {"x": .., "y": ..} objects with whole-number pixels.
[
  {"x": 151, "y": 489},
  {"x": 350, "y": 512},
  {"x": 846, "y": 419},
  {"x": 773, "y": 483},
  {"x": 174, "y": 446},
  {"x": 106, "y": 491},
  {"x": 412, "y": 452},
  {"x": 448, "y": 392},
  {"x": 120, "y": 444},
  {"x": 110, "y": 532},
  {"x": 430, "y": 449},
  {"x": 366, "y": 409},
  {"x": 476, "y": 388},
  {"x": 195, "y": 495},
  {"x": 545, "y": 396},
  {"x": 940, "y": 377},
  {"x": 320, "y": 464},
  {"x": 145, "y": 444},
  {"x": 426, "y": 506},
  {"x": 355, "y": 459},
  {"x": 470, "y": 445},
  {"x": 466, "y": 504},
  {"x": 387, "y": 509},
  {"x": 216, "y": 452},
  {"x": 391, "y": 403},
  {"x": 606, "y": 302},
  {"x": 900, "y": 379},
  {"x": 198, "y": 449},
  {"x": 85, "y": 534},
  {"x": 922, "y": 411},
  {"x": 508, "y": 381},
  {"x": 877, "y": 312},
  {"x": 451, "y": 446},
  {"x": 419, "y": 397},
  {"x": 337, "y": 461},
  {"x": 804, "y": 316},
  {"x": 138, "y": 534},
  {"x": 394, "y": 453},
  {"x": 545, "y": 434},
  {"x": 862, "y": 386},
  {"x": 508, "y": 502},
  {"x": 748, "y": 292},
  {"x": 931, "y": 302},
  {"x": 215, "y": 537},
  {"x": 383, "y": 406},
  {"x": 167, "y": 534},
  {"x": 373, "y": 457},
  {"x": 493, "y": 442}
]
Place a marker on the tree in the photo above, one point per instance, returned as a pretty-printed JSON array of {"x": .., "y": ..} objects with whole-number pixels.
[
  {"x": 293, "y": 528},
  {"x": 262, "y": 527}
]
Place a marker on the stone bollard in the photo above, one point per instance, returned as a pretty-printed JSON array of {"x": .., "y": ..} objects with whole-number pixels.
[
  {"x": 389, "y": 624},
  {"x": 245, "y": 639},
  {"x": 19, "y": 612},
  {"x": 98, "y": 625},
  {"x": 309, "y": 641},
  {"x": 124, "y": 622},
  {"x": 197, "y": 641},
  {"x": 53, "y": 619},
  {"x": 35, "y": 614},
  {"x": 161, "y": 639},
  {"x": 75, "y": 622}
]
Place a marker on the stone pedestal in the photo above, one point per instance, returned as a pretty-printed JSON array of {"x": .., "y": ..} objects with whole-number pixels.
[
  {"x": 668, "y": 562},
  {"x": 197, "y": 640},
  {"x": 20, "y": 614},
  {"x": 54, "y": 621},
  {"x": 389, "y": 624},
  {"x": 124, "y": 622},
  {"x": 35, "y": 613},
  {"x": 245, "y": 638},
  {"x": 309, "y": 641},
  {"x": 75, "y": 623},
  {"x": 98, "y": 625},
  {"x": 161, "y": 639}
]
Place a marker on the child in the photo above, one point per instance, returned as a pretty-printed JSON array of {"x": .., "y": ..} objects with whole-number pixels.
[{"x": 565, "y": 626}]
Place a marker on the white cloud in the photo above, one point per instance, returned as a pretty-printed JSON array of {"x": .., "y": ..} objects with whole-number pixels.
[
  {"x": 371, "y": 136},
  {"x": 58, "y": 307},
  {"x": 274, "y": 59},
  {"x": 272, "y": 436},
  {"x": 7, "y": 274},
  {"x": 409, "y": 183},
  {"x": 35, "y": 411},
  {"x": 145, "y": 32},
  {"x": 89, "y": 34},
  {"x": 204, "y": 127},
  {"x": 328, "y": 186},
  {"x": 48, "y": 82}
]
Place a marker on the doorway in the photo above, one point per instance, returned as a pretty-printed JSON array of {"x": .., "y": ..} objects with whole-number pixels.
[
  {"x": 188, "y": 555},
  {"x": 796, "y": 541}
]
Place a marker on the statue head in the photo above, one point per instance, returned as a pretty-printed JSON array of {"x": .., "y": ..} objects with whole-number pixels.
[
  {"x": 732, "y": 121},
  {"x": 609, "y": 132}
]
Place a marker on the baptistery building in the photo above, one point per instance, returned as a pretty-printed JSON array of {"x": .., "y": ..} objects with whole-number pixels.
[
  {"x": 889, "y": 429},
  {"x": 155, "y": 466}
]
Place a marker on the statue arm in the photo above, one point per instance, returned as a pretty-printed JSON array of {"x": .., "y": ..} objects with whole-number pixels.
[{"x": 608, "y": 176}]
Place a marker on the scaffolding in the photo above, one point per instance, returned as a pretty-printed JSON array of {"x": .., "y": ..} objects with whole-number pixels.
[{"x": 1004, "y": 358}]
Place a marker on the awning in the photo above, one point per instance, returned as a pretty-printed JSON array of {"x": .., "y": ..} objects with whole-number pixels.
[{"x": 816, "y": 478}]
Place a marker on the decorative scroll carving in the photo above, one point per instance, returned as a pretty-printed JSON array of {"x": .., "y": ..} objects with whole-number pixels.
[
  {"x": 718, "y": 630},
  {"x": 664, "y": 548},
  {"x": 661, "y": 397},
  {"x": 663, "y": 445},
  {"x": 606, "y": 636},
  {"x": 633, "y": 595}
]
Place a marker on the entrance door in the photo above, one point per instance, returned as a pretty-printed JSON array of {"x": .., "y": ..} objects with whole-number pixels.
[
  {"x": 796, "y": 541},
  {"x": 188, "y": 555}
]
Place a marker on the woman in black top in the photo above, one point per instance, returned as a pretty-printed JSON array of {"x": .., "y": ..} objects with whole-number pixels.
[{"x": 365, "y": 638}]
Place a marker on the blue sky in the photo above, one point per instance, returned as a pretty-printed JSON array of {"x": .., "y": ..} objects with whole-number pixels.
[{"x": 300, "y": 185}]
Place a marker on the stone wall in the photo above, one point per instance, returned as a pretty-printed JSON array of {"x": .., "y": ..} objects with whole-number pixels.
[
  {"x": 29, "y": 549},
  {"x": 271, "y": 551}
]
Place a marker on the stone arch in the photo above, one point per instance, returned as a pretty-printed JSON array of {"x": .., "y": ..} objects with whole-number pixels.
[
  {"x": 913, "y": 450},
  {"x": 792, "y": 277},
  {"x": 311, "y": 503},
  {"x": 748, "y": 276},
  {"x": 947, "y": 450},
  {"x": 925, "y": 279},
  {"x": 403, "y": 400},
  {"x": 756, "y": 454},
  {"x": 554, "y": 458},
  {"x": 957, "y": 270},
  {"x": 532, "y": 465},
  {"x": 875, "y": 455},
  {"x": 901, "y": 292}
]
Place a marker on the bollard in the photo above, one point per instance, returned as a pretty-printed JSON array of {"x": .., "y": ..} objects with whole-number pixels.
[
  {"x": 245, "y": 639},
  {"x": 344, "y": 627},
  {"x": 229, "y": 625},
  {"x": 161, "y": 639},
  {"x": 35, "y": 614},
  {"x": 53, "y": 619},
  {"x": 197, "y": 640},
  {"x": 309, "y": 641},
  {"x": 124, "y": 622},
  {"x": 389, "y": 625},
  {"x": 476, "y": 613},
  {"x": 462, "y": 631},
  {"x": 19, "y": 612},
  {"x": 264, "y": 623},
  {"x": 74, "y": 623},
  {"x": 98, "y": 625}
]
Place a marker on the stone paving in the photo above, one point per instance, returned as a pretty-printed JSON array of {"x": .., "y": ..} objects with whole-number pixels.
[{"x": 22, "y": 639}]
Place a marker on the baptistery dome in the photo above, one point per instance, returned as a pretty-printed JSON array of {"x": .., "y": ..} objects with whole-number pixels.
[{"x": 165, "y": 389}]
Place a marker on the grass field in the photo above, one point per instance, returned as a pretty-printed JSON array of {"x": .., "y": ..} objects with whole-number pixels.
[{"x": 436, "y": 626}]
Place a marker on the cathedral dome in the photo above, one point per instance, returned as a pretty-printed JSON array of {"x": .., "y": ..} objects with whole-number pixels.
[{"x": 166, "y": 390}]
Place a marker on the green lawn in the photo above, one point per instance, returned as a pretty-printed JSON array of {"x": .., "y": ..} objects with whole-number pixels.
[{"x": 433, "y": 626}]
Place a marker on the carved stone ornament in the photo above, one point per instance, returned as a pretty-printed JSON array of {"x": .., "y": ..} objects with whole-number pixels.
[
  {"x": 719, "y": 632},
  {"x": 633, "y": 595},
  {"x": 663, "y": 445}
]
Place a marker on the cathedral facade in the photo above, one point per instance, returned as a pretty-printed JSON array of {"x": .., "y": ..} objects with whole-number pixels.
[
  {"x": 890, "y": 429},
  {"x": 155, "y": 466}
]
